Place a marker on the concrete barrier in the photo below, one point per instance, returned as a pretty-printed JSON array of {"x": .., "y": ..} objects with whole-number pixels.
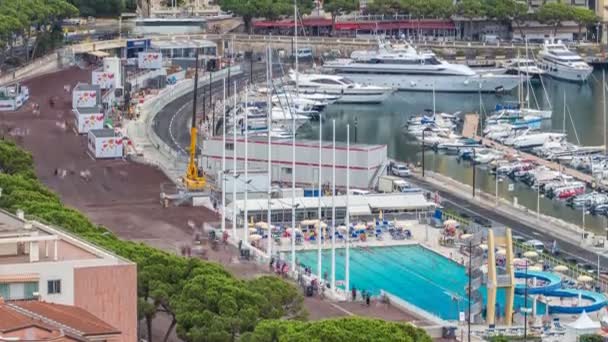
[{"x": 46, "y": 64}]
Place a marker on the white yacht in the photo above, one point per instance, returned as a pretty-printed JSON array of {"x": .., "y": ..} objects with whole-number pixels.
[
  {"x": 529, "y": 140},
  {"x": 559, "y": 62},
  {"x": 404, "y": 68},
  {"x": 523, "y": 66},
  {"x": 347, "y": 90}
]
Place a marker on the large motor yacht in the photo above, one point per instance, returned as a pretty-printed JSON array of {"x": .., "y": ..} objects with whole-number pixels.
[
  {"x": 404, "y": 68},
  {"x": 559, "y": 62},
  {"x": 347, "y": 90}
]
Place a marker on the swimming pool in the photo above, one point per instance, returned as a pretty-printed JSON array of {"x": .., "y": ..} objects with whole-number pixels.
[{"x": 414, "y": 273}]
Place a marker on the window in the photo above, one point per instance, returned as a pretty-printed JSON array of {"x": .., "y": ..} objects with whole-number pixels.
[
  {"x": 287, "y": 170},
  {"x": 18, "y": 291},
  {"x": 54, "y": 286},
  {"x": 229, "y": 146}
]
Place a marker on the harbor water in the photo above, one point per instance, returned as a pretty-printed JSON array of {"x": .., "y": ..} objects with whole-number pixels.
[{"x": 384, "y": 124}]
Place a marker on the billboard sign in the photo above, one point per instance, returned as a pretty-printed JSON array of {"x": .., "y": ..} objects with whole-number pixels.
[
  {"x": 84, "y": 98},
  {"x": 104, "y": 79},
  {"x": 150, "y": 60}
]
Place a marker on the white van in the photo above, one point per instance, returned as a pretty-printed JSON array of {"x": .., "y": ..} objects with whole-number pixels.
[
  {"x": 538, "y": 246},
  {"x": 304, "y": 52},
  {"x": 491, "y": 39}
]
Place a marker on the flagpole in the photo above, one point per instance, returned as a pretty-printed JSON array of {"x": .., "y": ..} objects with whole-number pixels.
[
  {"x": 269, "y": 105},
  {"x": 234, "y": 128},
  {"x": 347, "y": 251},
  {"x": 246, "y": 180},
  {"x": 320, "y": 229},
  {"x": 293, "y": 190},
  {"x": 223, "y": 174},
  {"x": 333, "y": 210}
]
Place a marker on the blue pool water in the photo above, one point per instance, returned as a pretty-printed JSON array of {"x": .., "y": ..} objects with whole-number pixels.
[{"x": 414, "y": 273}]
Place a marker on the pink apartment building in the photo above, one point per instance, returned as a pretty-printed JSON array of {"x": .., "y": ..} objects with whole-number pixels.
[{"x": 48, "y": 275}]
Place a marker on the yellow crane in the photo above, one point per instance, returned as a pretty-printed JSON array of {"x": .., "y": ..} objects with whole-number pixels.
[{"x": 194, "y": 179}]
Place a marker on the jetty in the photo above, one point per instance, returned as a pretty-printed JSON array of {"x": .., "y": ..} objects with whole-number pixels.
[{"x": 470, "y": 129}]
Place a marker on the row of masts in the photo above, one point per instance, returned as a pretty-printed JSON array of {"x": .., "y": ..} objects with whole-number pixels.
[{"x": 224, "y": 172}]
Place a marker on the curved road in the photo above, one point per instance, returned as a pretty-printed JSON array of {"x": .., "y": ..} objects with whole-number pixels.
[{"x": 172, "y": 123}]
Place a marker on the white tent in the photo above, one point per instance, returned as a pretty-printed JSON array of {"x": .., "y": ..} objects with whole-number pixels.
[{"x": 583, "y": 325}]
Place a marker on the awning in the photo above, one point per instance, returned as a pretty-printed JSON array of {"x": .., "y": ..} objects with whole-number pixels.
[
  {"x": 360, "y": 210},
  {"x": 98, "y": 53},
  {"x": 19, "y": 278}
]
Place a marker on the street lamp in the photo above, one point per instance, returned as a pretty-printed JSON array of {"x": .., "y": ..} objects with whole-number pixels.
[
  {"x": 426, "y": 129},
  {"x": 473, "y": 162}
]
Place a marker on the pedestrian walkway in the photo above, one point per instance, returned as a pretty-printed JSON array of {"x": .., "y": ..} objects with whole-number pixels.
[{"x": 471, "y": 122}]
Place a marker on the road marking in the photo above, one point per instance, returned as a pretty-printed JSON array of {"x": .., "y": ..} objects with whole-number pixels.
[{"x": 171, "y": 125}]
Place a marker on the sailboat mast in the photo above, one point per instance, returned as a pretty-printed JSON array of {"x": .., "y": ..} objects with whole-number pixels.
[
  {"x": 295, "y": 32},
  {"x": 604, "y": 106}
]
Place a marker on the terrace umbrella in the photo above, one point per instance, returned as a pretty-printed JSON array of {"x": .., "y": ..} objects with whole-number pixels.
[
  {"x": 342, "y": 228},
  {"x": 560, "y": 268},
  {"x": 360, "y": 226},
  {"x": 501, "y": 251},
  {"x": 255, "y": 237},
  {"x": 253, "y": 230},
  {"x": 466, "y": 236},
  {"x": 535, "y": 268},
  {"x": 309, "y": 222},
  {"x": 297, "y": 231},
  {"x": 584, "y": 278},
  {"x": 262, "y": 225},
  {"x": 530, "y": 254},
  {"x": 323, "y": 225},
  {"x": 450, "y": 222},
  {"x": 483, "y": 246}
]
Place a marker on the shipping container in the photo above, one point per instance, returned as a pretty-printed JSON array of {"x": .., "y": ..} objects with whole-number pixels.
[
  {"x": 105, "y": 143},
  {"x": 86, "y": 119}
]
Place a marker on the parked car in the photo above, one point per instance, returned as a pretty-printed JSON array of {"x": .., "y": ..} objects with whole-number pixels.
[
  {"x": 400, "y": 170},
  {"x": 538, "y": 246}
]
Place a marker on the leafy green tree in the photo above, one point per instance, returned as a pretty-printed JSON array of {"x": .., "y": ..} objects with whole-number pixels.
[
  {"x": 583, "y": 17},
  {"x": 352, "y": 329},
  {"x": 554, "y": 14},
  {"x": 591, "y": 338},
  {"x": 269, "y": 9},
  {"x": 471, "y": 10},
  {"x": 97, "y": 8},
  {"x": 388, "y": 7},
  {"x": 520, "y": 16},
  {"x": 202, "y": 300},
  {"x": 339, "y": 7}
]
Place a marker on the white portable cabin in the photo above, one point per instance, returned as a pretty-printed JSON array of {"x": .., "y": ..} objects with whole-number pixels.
[
  {"x": 110, "y": 75},
  {"x": 86, "y": 96},
  {"x": 86, "y": 119},
  {"x": 105, "y": 143}
]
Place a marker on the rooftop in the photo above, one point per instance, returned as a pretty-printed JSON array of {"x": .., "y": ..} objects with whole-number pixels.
[
  {"x": 52, "y": 320},
  {"x": 85, "y": 86},
  {"x": 305, "y": 143},
  {"x": 91, "y": 110},
  {"x": 104, "y": 133},
  {"x": 359, "y": 205},
  {"x": 25, "y": 241},
  {"x": 182, "y": 44}
]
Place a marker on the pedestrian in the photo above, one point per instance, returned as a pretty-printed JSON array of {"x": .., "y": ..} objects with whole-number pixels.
[
  {"x": 367, "y": 299},
  {"x": 354, "y": 293},
  {"x": 240, "y": 244}
]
